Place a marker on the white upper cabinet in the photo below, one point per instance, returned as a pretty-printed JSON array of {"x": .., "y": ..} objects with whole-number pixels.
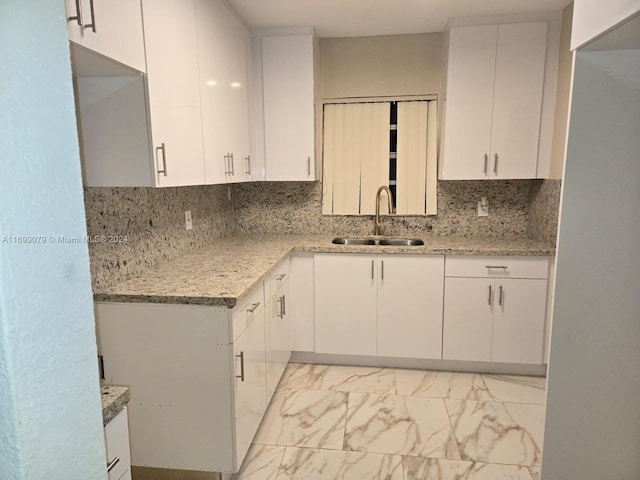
[
  {"x": 224, "y": 45},
  {"x": 112, "y": 28},
  {"x": 174, "y": 93},
  {"x": 495, "y": 82},
  {"x": 288, "y": 95}
]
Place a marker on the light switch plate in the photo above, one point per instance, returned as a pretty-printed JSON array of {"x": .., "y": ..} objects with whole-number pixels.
[
  {"x": 187, "y": 220},
  {"x": 483, "y": 207}
]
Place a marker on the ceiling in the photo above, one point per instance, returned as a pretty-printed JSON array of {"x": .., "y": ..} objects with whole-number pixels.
[{"x": 361, "y": 18}]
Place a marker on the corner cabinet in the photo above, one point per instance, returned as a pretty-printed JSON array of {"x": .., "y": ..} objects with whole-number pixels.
[
  {"x": 494, "y": 96},
  {"x": 288, "y": 71},
  {"x": 379, "y": 305},
  {"x": 112, "y": 28},
  {"x": 494, "y": 309}
]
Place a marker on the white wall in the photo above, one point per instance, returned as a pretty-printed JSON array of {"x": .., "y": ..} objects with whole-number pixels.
[
  {"x": 592, "y": 429},
  {"x": 50, "y": 412},
  {"x": 594, "y": 17}
]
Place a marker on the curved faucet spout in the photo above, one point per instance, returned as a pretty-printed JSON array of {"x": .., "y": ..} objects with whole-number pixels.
[{"x": 377, "y": 225}]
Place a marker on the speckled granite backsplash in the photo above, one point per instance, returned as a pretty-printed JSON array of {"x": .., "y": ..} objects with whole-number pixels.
[
  {"x": 294, "y": 207},
  {"x": 544, "y": 210},
  {"x": 152, "y": 220}
]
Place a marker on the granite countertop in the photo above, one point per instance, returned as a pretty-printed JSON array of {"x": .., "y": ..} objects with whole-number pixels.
[
  {"x": 114, "y": 399},
  {"x": 223, "y": 272}
]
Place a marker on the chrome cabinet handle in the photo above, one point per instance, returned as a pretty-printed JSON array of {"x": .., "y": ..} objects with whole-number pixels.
[
  {"x": 382, "y": 269},
  {"x": 248, "y": 159},
  {"x": 233, "y": 170},
  {"x": 91, "y": 25},
  {"x": 371, "y": 269},
  {"x": 241, "y": 357},
  {"x": 284, "y": 305},
  {"x": 500, "y": 297},
  {"x": 486, "y": 163},
  {"x": 78, "y": 16},
  {"x": 164, "y": 159},
  {"x": 490, "y": 295},
  {"x": 495, "y": 164},
  {"x": 503, "y": 267},
  {"x": 309, "y": 166},
  {"x": 281, "y": 301},
  {"x": 112, "y": 464},
  {"x": 253, "y": 307},
  {"x": 228, "y": 159}
]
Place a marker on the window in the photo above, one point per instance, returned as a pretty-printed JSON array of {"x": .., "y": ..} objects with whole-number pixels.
[{"x": 380, "y": 143}]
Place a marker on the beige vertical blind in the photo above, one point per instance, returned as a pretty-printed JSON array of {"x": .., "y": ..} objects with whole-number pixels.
[
  {"x": 417, "y": 162},
  {"x": 356, "y": 156}
]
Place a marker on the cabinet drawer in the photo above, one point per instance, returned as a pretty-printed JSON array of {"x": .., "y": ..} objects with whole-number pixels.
[
  {"x": 276, "y": 278},
  {"x": 496, "y": 267},
  {"x": 116, "y": 434},
  {"x": 243, "y": 313}
]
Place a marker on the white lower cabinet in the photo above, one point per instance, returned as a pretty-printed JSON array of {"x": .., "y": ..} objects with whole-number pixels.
[
  {"x": 494, "y": 309},
  {"x": 385, "y": 305},
  {"x": 116, "y": 436},
  {"x": 200, "y": 377}
]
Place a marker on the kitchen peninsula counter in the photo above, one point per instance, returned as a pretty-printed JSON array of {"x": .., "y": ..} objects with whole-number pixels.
[{"x": 223, "y": 272}]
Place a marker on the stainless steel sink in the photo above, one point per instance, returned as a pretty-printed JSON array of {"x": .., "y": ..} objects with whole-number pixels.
[
  {"x": 401, "y": 242},
  {"x": 388, "y": 241},
  {"x": 353, "y": 241}
]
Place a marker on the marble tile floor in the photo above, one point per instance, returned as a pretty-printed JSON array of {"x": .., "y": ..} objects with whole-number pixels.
[{"x": 359, "y": 423}]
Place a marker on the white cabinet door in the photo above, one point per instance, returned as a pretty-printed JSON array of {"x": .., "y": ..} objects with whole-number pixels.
[
  {"x": 495, "y": 81},
  {"x": 517, "y": 101},
  {"x": 468, "y": 319},
  {"x": 410, "y": 290},
  {"x": 174, "y": 91},
  {"x": 224, "y": 45},
  {"x": 469, "y": 102},
  {"x": 345, "y": 305},
  {"x": 278, "y": 336},
  {"x": 116, "y": 435},
  {"x": 250, "y": 383},
  {"x": 289, "y": 124},
  {"x": 518, "y": 322},
  {"x": 116, "y": 32},
  {"x": 302, "y": 303}
]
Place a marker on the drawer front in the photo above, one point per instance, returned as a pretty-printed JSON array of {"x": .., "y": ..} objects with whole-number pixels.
[
  {"x": 243, "y": 313},
  {"x": 276, "y": 278},
  {"x": 496, "y": 267},
  {"x": 116, "y": 434}
]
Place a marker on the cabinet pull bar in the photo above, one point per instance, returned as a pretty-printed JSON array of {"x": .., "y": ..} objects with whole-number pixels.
[
  {"x": 227, "y": 164},
  {"x": 503, "y": 267},
  {"x": 101, "y": 366},
  {"x": 490, "y": 295},
  {"x": 495, "y": 164},
  {"x": 280, "y": 312},
  {"x": 308, "y": 166},
  {"x": 78, "y": 15},
  {"x": 241, "y": 357},
  {"x": 253, "y": 307},
  {"x": 91, "y": 25},
  {"x": 112, "y": 464},
  {"x": 281, "y": 276},
  {"x": 164, "y": 159},
  {"x": 233, "y": 170},
  {"x": 248, "y": 159},
  {"x": 500, "y": 296},
  {"x": 382, "y": 270},
  {"x": 284, "y": 305},
  {"x": 371, "y": 269},
  {"x": 486, "y": 163}
]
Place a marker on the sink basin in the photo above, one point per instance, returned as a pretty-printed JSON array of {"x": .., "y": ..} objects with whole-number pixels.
[
  {"x": 353, "y": 241},
  {"x": 393, "y": 241},
  {"x": 401, "y": 242}
]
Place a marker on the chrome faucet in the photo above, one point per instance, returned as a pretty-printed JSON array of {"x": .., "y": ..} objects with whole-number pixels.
[{"x": 377, "y": 225}]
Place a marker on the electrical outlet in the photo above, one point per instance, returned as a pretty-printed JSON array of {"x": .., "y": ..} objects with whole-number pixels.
[
  {"x": 483, "y": 207},
  {"x": 187, "y": 220}
]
